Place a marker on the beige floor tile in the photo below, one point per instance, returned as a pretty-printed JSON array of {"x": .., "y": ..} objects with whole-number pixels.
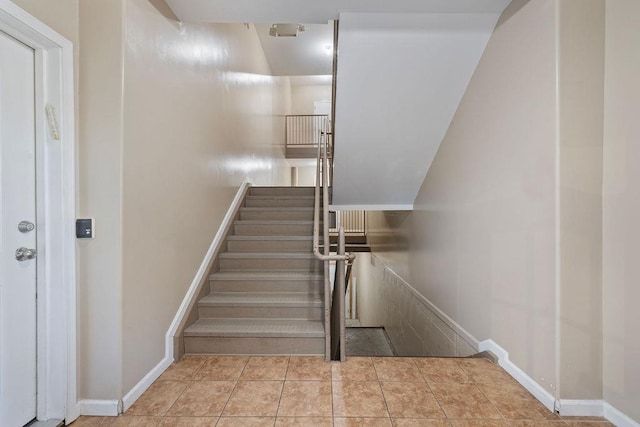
[
  {"x": 586, "y": 423},
  {"x": 158, "y": 398},
  {"x": 515, "y": 403},
  {"x": 419, "y": 422},
  {"x": 185, "y": 369},
  {"x": 362, "y": 422},
  {"x": 397, "y": 369},
  {"x": 308, "y": 369},
  {"x": 246, "y": 422},
  {"x": 254, "y": 399},
  {"x": 202, "y": 399},
  {"x": 438, "y": 370},
  {"x": 354, "y": 369},
  {"x": 304, "y": 422},
  {"x": 529, "y": 423},
  {"x": 506, "y": 423},
  {"x": 86, "y": 421},
  {"x": 410, "y": 400},
  {"x": 265, "y": 368},
  {"x": 135, "y": 421},
  {"x": 188, "y": 422},
  {"x": 358, "y": 399},
  {"x": 221, "y": 368},
  {"x": 306, "y": 399},
  {"x": 464, "y": 401},
  {"x": 480, "y": 423},
  {"x": 484, "y": 371}
]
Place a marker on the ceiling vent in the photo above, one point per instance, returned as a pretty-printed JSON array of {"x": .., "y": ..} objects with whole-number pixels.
[{"x": 286, "y": 30}]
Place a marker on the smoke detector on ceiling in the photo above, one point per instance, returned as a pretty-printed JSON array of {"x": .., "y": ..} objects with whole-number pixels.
[{"x": 286, "y": 30}]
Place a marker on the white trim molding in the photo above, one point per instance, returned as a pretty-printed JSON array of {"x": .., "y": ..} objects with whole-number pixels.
[
  {"x": 142, "y": 386},
  {"x": 546, "y": 398},
  {"x": 100, "y": 408},
  {"x": 617, "y": 417},
  {"x": 56, "y": 185},
  {"x": 565, "y": 407},
  {"x": 217, "y": 242},
  {"x": 580, "y": 408}
]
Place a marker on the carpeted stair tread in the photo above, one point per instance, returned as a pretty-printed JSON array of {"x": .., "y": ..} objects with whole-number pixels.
[
  {"x": 270, "y": 299},
  {"x": 266, "y": 275},
  {"x": 267, "y": 255},
  {"x": 256, "y": 328},
  {"x": 277, "y": 208},
  {"x": 273, "y": 222},
  {"x": 269, "y": 237}
]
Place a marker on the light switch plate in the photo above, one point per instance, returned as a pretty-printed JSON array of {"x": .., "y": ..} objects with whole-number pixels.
[{"x": 85, "y": 228}]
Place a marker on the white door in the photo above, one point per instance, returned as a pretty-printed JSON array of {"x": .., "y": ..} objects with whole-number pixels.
[{"x": 17, "y": 204}]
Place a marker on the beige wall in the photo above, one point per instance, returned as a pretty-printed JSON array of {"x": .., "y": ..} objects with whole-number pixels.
[
  {"x": 198, "y": 121},
  {"x": 100, "y": 195},
  {"x": 581, "y": 103},
  {"x": 621, "y": 208},
  {"x": 303, "y": 97},
  {"x": 305, "y": 176},
  {"x": 488, "y": 243}
]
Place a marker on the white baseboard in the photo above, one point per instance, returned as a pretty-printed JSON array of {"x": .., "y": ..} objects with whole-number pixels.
[
  {"x": 218, "y": 239},
  {"x": 100, "y": 408},
  {"x": 580, "y": 408},
  {"x": 566, "y": 407},
  {"x": 546, "y": 398},
  {"x": 618, "y": 418},
  {"x": 145, "y": 383}
]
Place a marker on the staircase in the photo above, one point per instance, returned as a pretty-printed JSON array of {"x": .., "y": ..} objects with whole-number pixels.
[{"x": 267, "y": 295}]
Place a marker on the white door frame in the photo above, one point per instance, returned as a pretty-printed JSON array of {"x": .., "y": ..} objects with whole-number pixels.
[{"x": 55, "y": 185}]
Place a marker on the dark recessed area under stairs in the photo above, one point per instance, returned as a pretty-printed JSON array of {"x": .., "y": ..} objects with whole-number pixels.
[{"x": 368, "y": 342}]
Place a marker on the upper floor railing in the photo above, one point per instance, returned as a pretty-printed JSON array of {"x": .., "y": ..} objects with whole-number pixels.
[
  {"x": 353, "y": 222},
  {"x": 303, "y": 133},
  {"x": 305, "y": 129}
]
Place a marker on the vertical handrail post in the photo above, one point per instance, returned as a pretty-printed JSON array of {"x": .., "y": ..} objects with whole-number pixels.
[{"x": 334, "y": 310}]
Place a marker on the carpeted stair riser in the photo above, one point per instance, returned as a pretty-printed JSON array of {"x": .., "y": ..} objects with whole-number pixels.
[
  {"x": 279, "y": 305},
  {"x": 263, "y": 346},
  {"x": 281, "y": 263},
  {"x": 269, "y": 244},
  {"x": 273, "y": 228},
  {"x": 265, "y": 201},
  {"x": 237, "y": 282},
  {"x": 277, "y": 214},
  {"x": 282, "y": 191}
]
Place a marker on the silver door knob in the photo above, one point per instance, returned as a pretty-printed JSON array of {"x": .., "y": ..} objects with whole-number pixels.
[{"x": 24, "y": 254}]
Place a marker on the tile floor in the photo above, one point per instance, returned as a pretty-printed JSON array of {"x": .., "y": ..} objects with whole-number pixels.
[{"x": 227, "y": 391}]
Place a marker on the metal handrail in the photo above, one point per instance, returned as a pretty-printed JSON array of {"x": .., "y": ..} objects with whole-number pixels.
[{"x": 333, "y": 308}]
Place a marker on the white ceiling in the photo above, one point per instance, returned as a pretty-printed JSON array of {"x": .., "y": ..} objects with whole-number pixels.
[
  {"x": 304, "y": 55},
  {"x": 316, "y": 11}
]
